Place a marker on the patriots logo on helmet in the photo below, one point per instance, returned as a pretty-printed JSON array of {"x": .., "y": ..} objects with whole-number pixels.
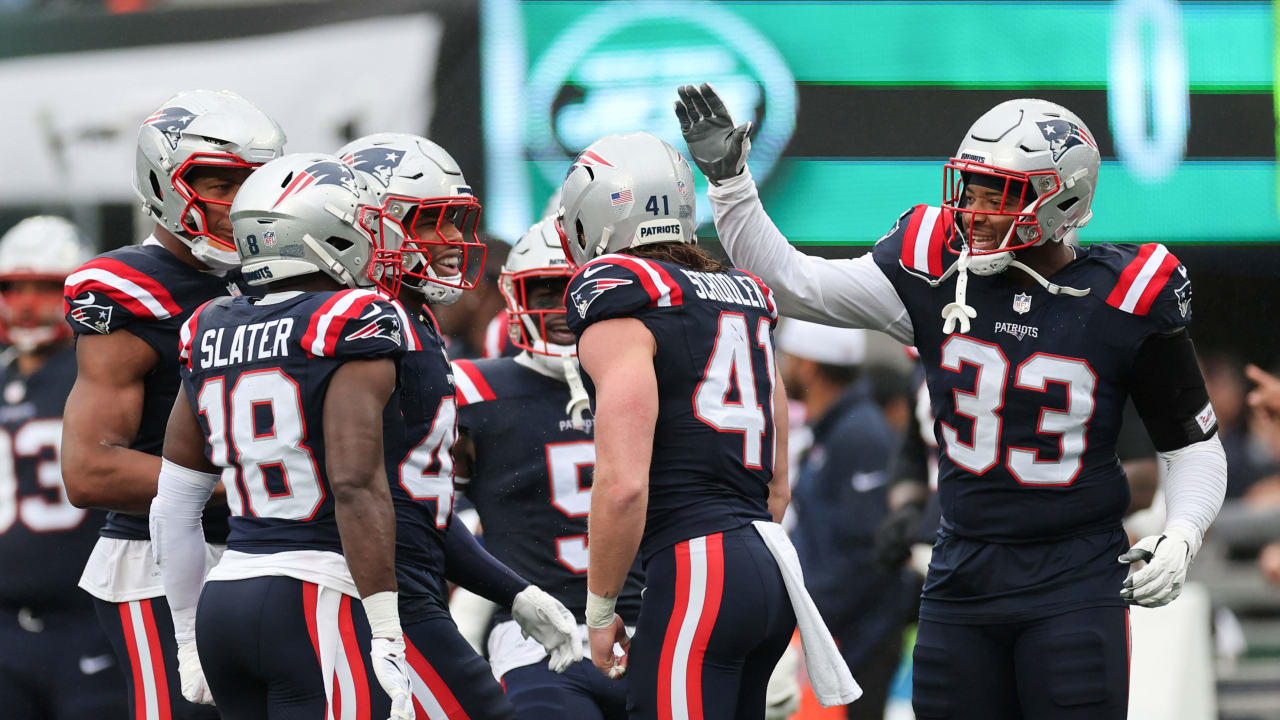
[
  {"x": 1064, "y": 135},
  {"x": 325, "y": 172},
  {"x": 171, "y": 121},
  {"x": 95, "y": 317},
  {"x": 379, "y": 162},
  {"x": 384, "y": 327},
  {"x": 587, "y": 292}
]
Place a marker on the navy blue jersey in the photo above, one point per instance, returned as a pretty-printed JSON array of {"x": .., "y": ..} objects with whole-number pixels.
[
  {"x": 149, "y": 292},
  {"x": 531, "y": 483},
  {"x": 1028, "y": 403},
  {"x": 713, "y": 444},
  {"x": 419, "y": 447},
  {"x": 44, "y": 539},
  {"x": 256, "y": 371}
]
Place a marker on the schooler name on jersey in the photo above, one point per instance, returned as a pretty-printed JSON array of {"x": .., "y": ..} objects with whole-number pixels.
[
  {"x": 735, "y": 289},
  {"x": 220, "y": 347}
]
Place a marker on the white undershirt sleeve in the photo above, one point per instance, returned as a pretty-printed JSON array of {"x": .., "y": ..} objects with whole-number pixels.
[
  {"x": 845, "y": 293},
  {"x": 177, "y": 538},
  {"x": 1195, "y": 484}
]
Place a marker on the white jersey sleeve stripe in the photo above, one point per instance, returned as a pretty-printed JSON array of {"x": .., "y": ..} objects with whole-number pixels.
[
  {"x": 124, "y": 285},
  {"x": 1143, "y": 279}
]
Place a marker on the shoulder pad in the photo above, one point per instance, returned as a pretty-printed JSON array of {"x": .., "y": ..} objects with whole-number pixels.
[
  {"x": 1149, "y": 280},
  {"x": 617, "y": 286},
  {"x": 188, "y": 331},
  {"x": 919, "y": 239},
  {"x": 767, "y": 292},
  {"x": 107, "y": 293},
  {"x": 358, "y": 323},
  {"x": 470, "y": 383}
]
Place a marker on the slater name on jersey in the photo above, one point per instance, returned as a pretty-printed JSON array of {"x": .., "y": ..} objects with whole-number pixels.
[
  {"x": 737, "y": 289},
  {"x": 220, "y": 347}
]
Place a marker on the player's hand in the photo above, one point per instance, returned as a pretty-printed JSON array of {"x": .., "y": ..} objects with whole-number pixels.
[
  {"x": 546, "y": 620},
  {"x": 1159, "y": 583},
  {"x": 1265, "y": 397},
  {"x": 602, "y": 641},
  {"x": 392, "y": 670},
  {"x": 191, "y": 674},
  {"x": 718, "y": 147}
]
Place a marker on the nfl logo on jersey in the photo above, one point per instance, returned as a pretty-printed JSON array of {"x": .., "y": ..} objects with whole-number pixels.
[{"x": 1021, "y": 303}]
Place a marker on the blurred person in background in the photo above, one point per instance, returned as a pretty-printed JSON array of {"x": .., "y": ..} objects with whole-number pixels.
[
  {"x": 1249, "y": 455},
  {"x": 465, "y": 322},
  {"x": 58, "y": 663},
  {"x": 126, "y": 308},
  {"x": 839, "y": 497}
]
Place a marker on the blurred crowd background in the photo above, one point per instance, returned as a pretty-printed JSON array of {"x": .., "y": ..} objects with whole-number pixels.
[{"x": 856, "y": 106}]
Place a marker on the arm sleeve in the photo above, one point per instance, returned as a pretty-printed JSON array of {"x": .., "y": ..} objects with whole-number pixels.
[
  {"x": 471, "y": 566},
  {"x": 178, "y": 540},
  {"x": 848, "y": 293},
  {"x": 1195, "y": 484},
  {"x": 1169, "y": 392}
]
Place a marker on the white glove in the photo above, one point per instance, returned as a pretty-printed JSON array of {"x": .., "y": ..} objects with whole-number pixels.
[
  {"x": 546, "y": 620},
  {"x": 1167, "y": 557},
  {"x": 194, "y": 686},
  {"x": 392, "y": 671},
  {"x": 782, "y": 696}
]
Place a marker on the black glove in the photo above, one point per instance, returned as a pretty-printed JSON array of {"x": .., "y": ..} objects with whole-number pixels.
[
  {"x": 896, "y": 535},
  {"x": 718, "y": 147}
]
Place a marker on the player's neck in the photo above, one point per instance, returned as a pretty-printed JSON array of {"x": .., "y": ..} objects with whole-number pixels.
[
  {"x": 178, "y": 248},
  {"x": 311, "y": 282},
  {"x": 1045, "y": 259}
]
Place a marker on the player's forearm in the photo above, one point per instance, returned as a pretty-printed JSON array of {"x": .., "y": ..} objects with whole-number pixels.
[
  {"x": 780, "y": 484},
  {"x": 1195, "y": 484},
  {"x": 178, "y": 540},
  {"x": 367, "y": 525},
  {"x": 848, "y": 293},
  {"x": 615, "y": 527},
  {"x": 470, "y": 566},
  {"x": 109, "y": 477}
]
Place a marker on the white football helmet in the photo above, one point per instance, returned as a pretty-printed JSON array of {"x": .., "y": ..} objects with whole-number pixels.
[
  {"x": 416, "y": 180},
  {"x": 310, "y": 212},
  {"x": 624, "y": 191},
  {"x": 537, "y": 255},
  {"x": 192, "y": 129},
  {"x": 1043, "y": 159},
  {"x": 43, "y": 248}
]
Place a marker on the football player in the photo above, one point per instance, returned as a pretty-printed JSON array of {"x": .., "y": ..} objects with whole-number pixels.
[
  {"x": 426, "y": 199},
  {"x": 126, "y": 308},
  {"x": 526, "y": 447},
  {"x": 1030, "y": 348},
  {"x": 60, "y": 663},
  {"x": 678, "y": 350},
  {"x": 287, "y": 397}
]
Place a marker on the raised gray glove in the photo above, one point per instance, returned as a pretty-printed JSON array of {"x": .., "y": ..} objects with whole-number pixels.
[{"x": 718, "y": 147}]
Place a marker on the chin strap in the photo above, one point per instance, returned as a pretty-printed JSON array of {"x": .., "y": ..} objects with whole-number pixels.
[
  {"x": 959, "y": 311},
  {"x": 1052, "y": 288},
  {"x": 579, "y": 403}
]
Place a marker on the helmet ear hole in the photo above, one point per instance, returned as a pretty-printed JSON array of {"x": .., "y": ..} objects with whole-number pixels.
[
  {"x": 155, "y": 186},
  {"x": 340, "y": 244},
  {"x": 582, "y": 235}
]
